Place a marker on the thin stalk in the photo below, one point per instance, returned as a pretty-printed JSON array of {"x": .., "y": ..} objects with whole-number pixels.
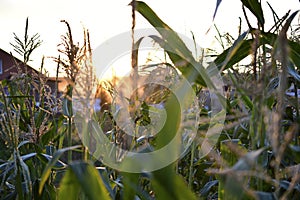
[
  {"x": 70, "y": 119},
  {"x": 278, "y": 136},
  {"x": 13, "y": 138},
  {"x": 56, "y": 98},
  {"x": 134, "y": 65},
  {"x": 56, "y": 80},
  {"x": 85, "y": 153},
  {"x": 191, "y": 170},
  {"x": 265, "y": 71},
  {"x": 220, "y": 37},
  {"x": 41, "y": 98},
  {"x": 133, "y": 59},
  {"x": 297, "y": 113},
  {"x": 18, "y": 177},
  {"x": 69, "y": 138}
]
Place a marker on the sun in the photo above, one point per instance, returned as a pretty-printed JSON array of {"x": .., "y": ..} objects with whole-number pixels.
[{"x": 121, "y": 66}]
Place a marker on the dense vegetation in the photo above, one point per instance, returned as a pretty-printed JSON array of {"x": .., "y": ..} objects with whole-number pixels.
[{"x": 256, "y": 156}]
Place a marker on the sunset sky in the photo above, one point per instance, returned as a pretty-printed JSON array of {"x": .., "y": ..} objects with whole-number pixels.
[{"x": 105, "y": 19}]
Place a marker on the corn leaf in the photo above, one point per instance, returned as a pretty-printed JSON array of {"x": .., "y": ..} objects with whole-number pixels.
[
  {"x": 167, "y": 183},
  {"x": 245, "y": 98},
  {"x": 294, "y": 47},
  {"x": 292, "y": 72},
  {"x": 178, "y": 52},
  {"x": 255, "y": 7},
  {"x": 240, "y": 49},
  {"x": 83, "y": 176},
  {"x": 294, "y": 53},
  {"x": 186, "y": 68},
  {"x": 70, "y": 187},
  {"x": 51, "y": 164},
  {"x": 216, "y": 9}
]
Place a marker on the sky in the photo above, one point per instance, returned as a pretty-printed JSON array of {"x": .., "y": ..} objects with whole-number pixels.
[{"x": 105, "y": 19}]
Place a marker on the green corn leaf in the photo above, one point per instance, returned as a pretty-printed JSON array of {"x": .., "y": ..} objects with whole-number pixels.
[
  {"x": 167, "y": 33},
  {"x": 281, "y": 49},
  {"x": 135, "y": 52},
  {"x": 294, "y": 47},
  {"x": 23, "y": 143},
  {"x": 150, "y": 15},
  {"x": 82, "y": 176},
  {"x": 106, "y": 181},
  {"x": 67, "y": 107},
  {"x": 264, "y": 195},
  {"x": 40, "y": 117},
  {"x": 182, "y": 63},
  {"x": 207, "y": 187},
  {"x": 255, "y": 7},
  {"x": 283, "y": 37},
  {"x": 248, "y": 161},
  {"x": 130, "y": 185},
  {"x": 178, "y": 52},
  {"x": 240, "y": 49},
  {"x": 294, "y": 53},
  {"x": 51, "y": 164},
  {"x": 26, "y": 174},
  {"x": 67, "y": 103},
  {"x": 216, "y": 9},
  {"x": 166, "y": 182},
  {"x": 292, "y": 72},
  {"x": 70, "y": 187},
  {"x": 288, "y": 22},
  {"x": 246, "y": 99},
  {"x": 168, "y": 185},
  {"x": 58, "y": 165}
]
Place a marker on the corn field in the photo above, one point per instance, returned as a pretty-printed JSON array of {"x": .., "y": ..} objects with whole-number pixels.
[{"x": 219, "y": 125}]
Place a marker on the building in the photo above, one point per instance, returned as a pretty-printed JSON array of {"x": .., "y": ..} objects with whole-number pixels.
[{"x": 10, "y": 65}]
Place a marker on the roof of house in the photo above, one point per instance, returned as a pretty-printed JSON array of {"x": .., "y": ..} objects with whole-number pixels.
[{"x": 11, "y": 65}]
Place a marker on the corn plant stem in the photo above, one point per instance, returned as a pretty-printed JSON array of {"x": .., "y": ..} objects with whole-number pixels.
[
  {"x": 281, "y": 104},
  {"x": 56, "y": 97},
  {"x": 18, "y": 177},
  {"x": 69, "y": 138},
  {"x": 134, "y": 66},
  {"x": 297, "y": 113},
  {"x": 264, "y": 70},
  {"x": 191, "y": 170},
  {"x": 85, "y": 154},
  {"x": 11, "y": 135},
  {"x": 19, "y": 185},
  {"x": 56, "y": 80},
  {"x": 134, "y": 59},
  {"x": 267, "y": 70}
]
